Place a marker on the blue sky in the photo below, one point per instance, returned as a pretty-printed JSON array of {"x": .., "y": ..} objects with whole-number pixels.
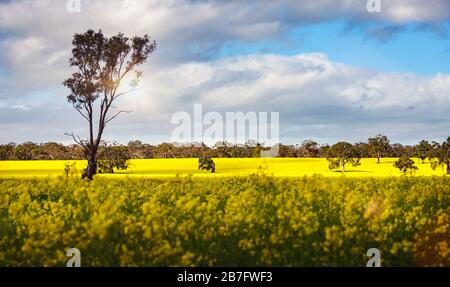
[
  {"x": 331, "y": 69},
  {"x": 413, "y": 49}
]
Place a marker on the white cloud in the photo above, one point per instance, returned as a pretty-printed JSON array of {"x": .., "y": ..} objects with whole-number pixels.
[{"x": 310, "y": 92}]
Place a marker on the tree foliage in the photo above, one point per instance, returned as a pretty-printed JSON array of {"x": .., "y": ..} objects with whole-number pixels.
[
  {"x": 440, "y": 155},
  {"x": 341, "y": 154},
  {"x": 378, "y": 146},
  {"x": 405, "y": 164},
  {"x": 206, "y": 163},
  {"x": 111, "y": 157},
  {"x": 423, "y": 150}
]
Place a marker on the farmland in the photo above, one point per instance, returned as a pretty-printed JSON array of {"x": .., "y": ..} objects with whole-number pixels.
[
  {"x": 252, "y": 212},
  {"x": 169, "y": 168},
  {"x": 254, "y": 220}
]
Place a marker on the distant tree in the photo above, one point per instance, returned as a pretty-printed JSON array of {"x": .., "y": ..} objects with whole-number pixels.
[
  {"x": 257, "y": 151},
  {"x": 26, "y": 151},
  {"x": 139, "y": 150},
  {"x": 440, "y": 155},
  {"x": 397, "y": 150},
  {"x": 237, "y": 151},
  {"x": 112, "y": 157},
  {"x": 54, "y": 150},
  {"x": 165, "y": 150},
  {"x": 102, "y": 64},
  {"x": 341, "y": 154},
  {"x": 405, "y": 164},
  {"x": 221, "y": 149},
  {"x": 423, "y": 150},
  {"x": 206, "y": 163},
  {"x": 287, "y": 151},
  {"x": 308, "y": 148},
  {"x": 135, "y": 149},
  {"x": 76, "y": 152},
  {"x": 378, "y": 146},
  {"x": 323, "y": 150},
  {"x": 7, "y": 151},
  {"x": 363, "y": 149}
]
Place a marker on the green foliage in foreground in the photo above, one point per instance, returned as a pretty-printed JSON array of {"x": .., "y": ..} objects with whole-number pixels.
[{"x": 246, "y": 221}]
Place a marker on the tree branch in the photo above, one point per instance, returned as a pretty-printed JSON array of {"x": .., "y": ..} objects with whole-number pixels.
[
  {"x": 78, "y": 141},
  {"x": 124, "y": 93},
  {"x": 115, "y": 116},
  {"x": 81, "y": 113}
]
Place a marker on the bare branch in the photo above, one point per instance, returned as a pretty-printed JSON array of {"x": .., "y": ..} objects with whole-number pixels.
[
  {"x": 81, "y": 113},
  {"x": 124, "y": 93},
  {"x": 115, "y": 116},
  {"x": 79, "y": 141}
]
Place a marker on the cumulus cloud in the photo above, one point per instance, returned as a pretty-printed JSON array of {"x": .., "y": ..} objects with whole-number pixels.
[{"x": 315, "y": 97}]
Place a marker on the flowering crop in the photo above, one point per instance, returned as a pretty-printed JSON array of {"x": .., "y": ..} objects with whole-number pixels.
[{"x": 254, "y": 220}]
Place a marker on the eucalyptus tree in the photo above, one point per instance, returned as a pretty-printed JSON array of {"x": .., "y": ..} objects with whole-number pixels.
[{"x": 102, "y": 64}]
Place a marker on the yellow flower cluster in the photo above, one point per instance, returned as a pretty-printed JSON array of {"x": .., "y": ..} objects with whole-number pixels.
[{"x": 255, "y": 220}]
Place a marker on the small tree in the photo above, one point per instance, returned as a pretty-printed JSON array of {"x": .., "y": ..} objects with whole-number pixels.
[
  {"x": 101, "y": 66},
  {"x": 206, "y": 163},
  {"x": 405, "y": 164},
  {"x": 112, "y": 157},
  {"x": 423, "y": 149},
  {"x": 440, "y": 155},
  {"x": 378, "y": 146},
  {"x": 341, "y": 154}
]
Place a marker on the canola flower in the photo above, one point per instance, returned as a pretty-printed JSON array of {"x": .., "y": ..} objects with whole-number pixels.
[
  {"x": 225, "y": 167},
  {"x": 255, "y": 220}
]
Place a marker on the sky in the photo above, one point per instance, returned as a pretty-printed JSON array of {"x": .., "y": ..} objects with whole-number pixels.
[{"x": 331, "y": 69}]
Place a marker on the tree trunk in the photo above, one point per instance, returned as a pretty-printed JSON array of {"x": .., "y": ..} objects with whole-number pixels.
[
  {"x": 91, "y": 169},
  {"x": 378, "y": 156},
  {"x": 448, "y": 168},
  {"x": 343, "y": 166}
]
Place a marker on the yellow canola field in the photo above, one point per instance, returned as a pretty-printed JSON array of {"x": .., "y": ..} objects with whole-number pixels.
[
  {"x": 254, "y": 220},
  {"x": 169, "y": 168}
]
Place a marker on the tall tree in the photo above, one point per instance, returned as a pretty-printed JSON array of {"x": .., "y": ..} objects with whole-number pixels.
[
  {"x": 378, "y": 146},
  {"x": 102, "y": 64},
  {"x": 341, "y": 154}
]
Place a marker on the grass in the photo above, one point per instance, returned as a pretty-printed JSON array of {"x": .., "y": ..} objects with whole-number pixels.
[{"x": 169, "y": 168}]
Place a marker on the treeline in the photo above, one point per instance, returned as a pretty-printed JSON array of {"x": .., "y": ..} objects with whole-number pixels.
[{"x": 377, "y": 147}]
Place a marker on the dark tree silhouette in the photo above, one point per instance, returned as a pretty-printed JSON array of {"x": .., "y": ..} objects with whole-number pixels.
[
  {"x": 102, "y": 64},
  {"x": 206, "y": 163}
]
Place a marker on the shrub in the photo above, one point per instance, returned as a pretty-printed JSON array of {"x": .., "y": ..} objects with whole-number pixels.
[
  {"x": 112, "y": 157},
  {"x": 207, "y": 163},
  {"x": 405, "y": 164}
]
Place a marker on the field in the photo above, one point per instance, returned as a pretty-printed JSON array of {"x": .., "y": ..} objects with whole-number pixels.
[
  {"x": 255, "y": 220},
  {"x": 166, "y": 168},
  {"x": 253, "y": 212}
]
